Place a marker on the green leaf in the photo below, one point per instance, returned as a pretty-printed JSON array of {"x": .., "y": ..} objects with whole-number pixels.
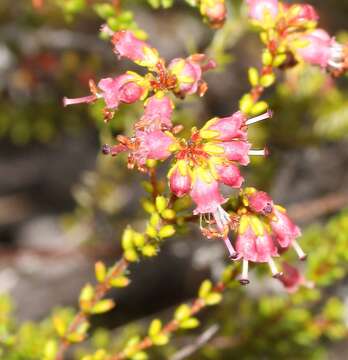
[
  {"x": 127, "y": 238},
  {"x": 259, "y": 107},
  {"x": 205, "y": 289},
  {"x": 149, "y": 250},
  {"x": 104, "y": 10},
  {"x": 182, "y": 312},
  {"x": 213, "y": 298},
  {"x": 50, "y": 350},
  {"x": 166, "y": 231},
  {"x": 100, "y": 271},
  {"x": 267, "y": 80},
  {"x": 155, "y": 327},
  {"x": 246, "y": 103},
  {"x": 160, "y": 339},
  {"x": 120, "y": 281},
  {"x": 141, "y": 355},
  {"x": 102, "y": 306},
  {"x": 161, "y": 203},
  {"x": 168, "y": 214},
  {"x": 59, "y": 325},
  {"x": 131, "y": 255},
  {"x": 190, "y": 323},
  {"x": 253, "y": 75}
]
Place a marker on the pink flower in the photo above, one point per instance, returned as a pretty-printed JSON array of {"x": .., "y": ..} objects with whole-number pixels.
[
  {"x": 158, "y": 113},
  {"x": 260, "y": 202},
  {"x": 318, "y": 49},
  {"x": 188, "y": 73},
  {"x": 206, "y": 195},
  {"x": 292, "y": 279},
  {"x": 259, "y": 8},
  {"x": 214, "y": 11},
  {"x": 284, "y": 229},
  {"x": 230, "y": 175},
  {"x": 125, "y": 88},
  {"x": 127, "y": 45},
  {"x": 255, "y": 247},
  {"x": 121, "y": 89},
  {"x": 237, "y": 151},
  {"x": 226, "y": 129},
  {"x": 180, "y": 184}
]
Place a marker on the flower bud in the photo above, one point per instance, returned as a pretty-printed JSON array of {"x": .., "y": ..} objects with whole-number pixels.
[
  {"x": 237, "y": 151},
  {"x": 260, "y": 202},
  {"x": 214, "y": 11},
  {"x": 230, "y": 175},
  {"x": 180, "y": 184}
]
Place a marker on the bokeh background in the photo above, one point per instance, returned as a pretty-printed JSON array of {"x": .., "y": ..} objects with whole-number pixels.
[{"x": 63, "y": 204}]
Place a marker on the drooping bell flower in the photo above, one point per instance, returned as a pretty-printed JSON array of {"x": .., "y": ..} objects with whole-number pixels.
[
  {"x": 214, "y": 11},
  {"x": 258, "y": 201},
  {"x": 157, "y": 113},
  {"x": 188, "y": 73},
  {"x": 260, "y": 10},
  {"x": 179, "y": 179},
  {"x": 205, "y": 193},
  {"x": 126, "y": 88},
  {"x": 292, "y": 279},
  {"x": 128, "y": 46},
  {"x": 237, "y": 151},
  {"x": 255, "y": 243}
]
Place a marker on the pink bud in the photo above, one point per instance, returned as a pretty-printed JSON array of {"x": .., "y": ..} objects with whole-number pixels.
[
  {"x": 260, "y": 202},
  {"x": 158, "y": 112},
  {"x": 230, "y": 128},
  {"x": 291, "y": 278},
  {"x": 127, "y": 45},
  {"x": 120, "y": 89},
  {"x": 284, "y": 229},
  {"x": 188, "y": 74},
  {"x": 259, "y": 8},
  {"x": 206, "y": 195},
  {"x": 215, "y": 12},
  {"x": 255, "y": 248},
  {"x": 230, "y": 175},
  {"x": 318, "y": 49},
  {"x": 237, "y": 151},
  {"x": 179, "y": 184}
]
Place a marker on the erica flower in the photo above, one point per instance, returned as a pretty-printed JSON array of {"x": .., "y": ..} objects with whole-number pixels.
[
  {"x": 292, "y": 279},
  {"x": 214, "y": 11},
  {"x": 127, "y": 45},
  {"x": 302, "y": 14},
  {"x": 324, "y": 51},
  {"x": 261, "y": 9},
  {"x": 188, "y": 73},
  {"x": 127, "y": 88},
  {"x": 157, "y": 114},
  {"x": 143, "y": 146},
  {"x": 180, "y": 179}
]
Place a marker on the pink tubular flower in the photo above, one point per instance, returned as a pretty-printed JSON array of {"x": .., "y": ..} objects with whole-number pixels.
[
  {"x": 258, "y": 9},
  {"x": 292, "y": 279},
  {"x": 254, "y": 243},
  {"x": 237, "y": 151},
  {"x": 127, "y": 45},
  {"x": 157, "y": 114},
  {"x": 230, "y": 175},
  {"x": 127, "y": 88},
  {"x": 214, "y": 11},
  {"x": 179, "y": 180},
  {"x": 188, "y": 73},
  {"x": 285, "y": 230}
]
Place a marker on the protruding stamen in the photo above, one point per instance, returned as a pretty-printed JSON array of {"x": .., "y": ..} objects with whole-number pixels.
[
  {"x": 263, "y": 152},
  {"x": 301, "y": 254},
  {"x": 274, "y": 270},
  {"x": 261, "y": 117},
  {"x": 244, "y": 280},
  {"x": 81, "y": 100},
  {"x": 232, "y": 252}
]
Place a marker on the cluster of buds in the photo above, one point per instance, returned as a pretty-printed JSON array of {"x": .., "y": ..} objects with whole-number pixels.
[
  {"x": 208, "y": 159},
  {"x": 181, "y": 77},
  {"x": 291, "y": 30}
]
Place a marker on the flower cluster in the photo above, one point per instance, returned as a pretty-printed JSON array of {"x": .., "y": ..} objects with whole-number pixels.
[
  {"x": 292, "y": 30},
  {"x": 208, "y": 159},
  {"x": 181, "y": 77},
  {"x": 263, "y": 230}
]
